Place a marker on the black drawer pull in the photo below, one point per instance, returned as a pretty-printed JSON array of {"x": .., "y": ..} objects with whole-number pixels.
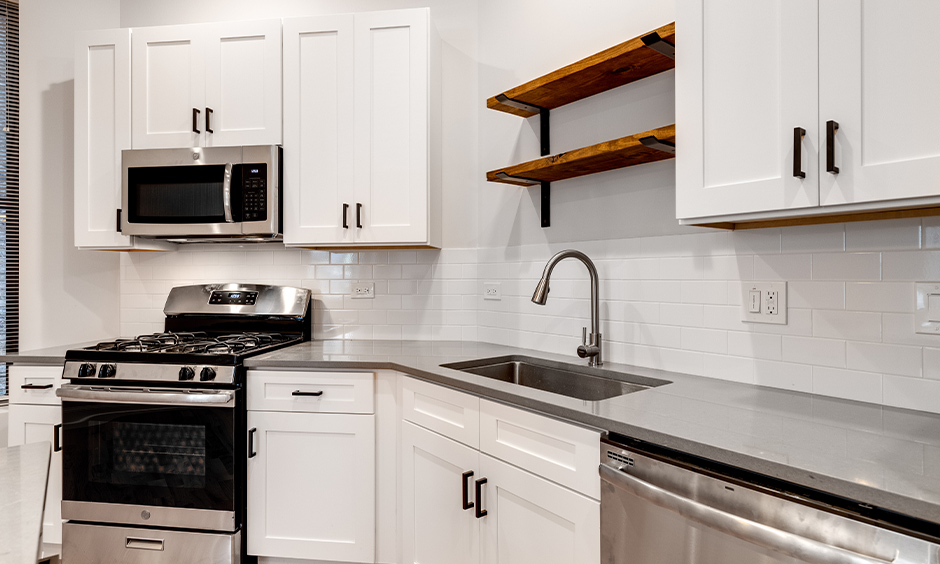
[
  {"x": 467, "y": 504},
  {"x": 36, "y": 386},
  {"x": 345, "y": 215},
  {"x": 359, "y": 215},
  {"x": 251, "y": 442},
  {"x": 56, "y": 441},
  {"x": 208, "y": 117},
  {"x": 480, "y": 512},
  {"x": 798, "y": 133},
  {"x": 302, "y": 393},
  {"x": 195, "y": 118}
]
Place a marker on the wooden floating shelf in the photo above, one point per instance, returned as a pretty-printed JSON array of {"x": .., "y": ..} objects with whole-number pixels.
[
  {"x": 621, "y": 64},
  {"x": 609, "y": 155}
]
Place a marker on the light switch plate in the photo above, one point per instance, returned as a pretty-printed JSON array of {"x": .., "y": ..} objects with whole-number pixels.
[
  {"x": 927, "y": 308},
  {"x": 764, "y": 302}
]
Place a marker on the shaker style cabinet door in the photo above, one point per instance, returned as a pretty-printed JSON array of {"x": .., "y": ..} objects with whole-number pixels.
[
  {"x": 435, "y": 528},
  {"x": 319, "y": 93},
  {"x": 530, "y": 519},
  {"x": 33, "y": 424},
  {"x": 746, "y": 84},
  {"x": 882, "y": 89},
  {"x": 168, "y": 86},
  {"x": 311, "y": 486},
  {"x": 243, "y": 83},
  {"x": 392, "y": 178}
]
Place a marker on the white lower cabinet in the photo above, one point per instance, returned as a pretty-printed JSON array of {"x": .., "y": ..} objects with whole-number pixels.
[
  {"x": 460, "y": 505},
  {"x": 38, "y": 423},
  {"x": 311, "y": 475}
]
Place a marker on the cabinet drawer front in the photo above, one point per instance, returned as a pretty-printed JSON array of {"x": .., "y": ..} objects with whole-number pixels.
[
  {"x": 35, "y": 378},
  {"x": 561, "y": 452},
  {"x": 312, "y": 392},
  {"x": 448, "y": 412}
]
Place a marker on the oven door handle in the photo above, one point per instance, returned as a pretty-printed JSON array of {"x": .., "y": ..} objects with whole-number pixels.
[{"x": 214, "y": 398}]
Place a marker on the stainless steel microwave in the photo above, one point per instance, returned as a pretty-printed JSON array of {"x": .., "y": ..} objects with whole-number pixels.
[{"x": 202, "y": 194}]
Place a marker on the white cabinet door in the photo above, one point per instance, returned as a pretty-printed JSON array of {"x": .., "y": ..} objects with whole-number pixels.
[
  {"x": 33, "y": 424},
  {"x": 319, "y": 95},
  {"x": 392, "y": 126},
  {"x": 243, "y": 83},
  {"x": 435, "y": 527},
  {"x": 102, "y": 131},
  {"x": 746, "y": 77},
  {"x": 883, "y": 92},
  {"x": 530, "y": 519},
  {"x": 168, "y": 86},
  {"x": 311, "y": 486}
]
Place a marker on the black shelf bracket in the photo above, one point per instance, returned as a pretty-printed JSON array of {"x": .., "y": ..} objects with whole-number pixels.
[
  {"x": 545, "y": 150},
  {"x": 660, "y": 45},
  {"x": 653, "y": 142}
]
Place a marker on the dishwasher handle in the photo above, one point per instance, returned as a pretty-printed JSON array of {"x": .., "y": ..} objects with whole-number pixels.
[{"x": 801, "y": 548}]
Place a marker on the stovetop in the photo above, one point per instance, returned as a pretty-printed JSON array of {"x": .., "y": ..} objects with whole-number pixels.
[{"x": 198, "y": 342}]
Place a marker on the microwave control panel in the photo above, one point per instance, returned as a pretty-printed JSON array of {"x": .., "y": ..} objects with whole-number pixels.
[
  {"x": 255, "y": 191},
  {"x": 233, "y": 298}
]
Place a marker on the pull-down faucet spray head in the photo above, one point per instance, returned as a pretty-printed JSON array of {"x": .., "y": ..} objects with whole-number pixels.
[{"x": 541, "y": 292}]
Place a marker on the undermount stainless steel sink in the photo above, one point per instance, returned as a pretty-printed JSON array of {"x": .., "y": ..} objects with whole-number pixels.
[{"x": 580, "y": 382}]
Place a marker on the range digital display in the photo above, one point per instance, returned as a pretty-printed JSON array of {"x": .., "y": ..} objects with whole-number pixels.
[{"x": 233, "y": 298}]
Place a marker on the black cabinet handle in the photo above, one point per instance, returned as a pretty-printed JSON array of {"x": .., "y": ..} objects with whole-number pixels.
[
  {"x": 345, "y": 215},
  {"x": 36, "y": 386},
  {"x": 56, "y": 441},
  {"x": 195, "y": 121},
  {"x": 302, "y": 393},
  {"x": 251, "y": 442},
  {"x": 359, "y": 215},
  {"x": 208, "y": 116},
  {"x": 831, "y": 128},
  {"x": 478, "y": 491},
  {"x": 467, "y": 504},
  {"x": 798, "y": 133}
]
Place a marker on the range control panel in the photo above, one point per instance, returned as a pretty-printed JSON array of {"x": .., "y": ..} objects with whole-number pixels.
[{"x": 233, "y": 298}]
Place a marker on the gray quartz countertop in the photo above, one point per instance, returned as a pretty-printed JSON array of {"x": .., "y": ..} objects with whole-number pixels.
[
  {"x": 24, "y": 471},
  {"x": 876, "y": 455}
]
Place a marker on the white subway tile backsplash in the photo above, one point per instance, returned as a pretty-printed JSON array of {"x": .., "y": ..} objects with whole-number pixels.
[
  {"x": 911, "y": 393},
  {"x": 847, "y": 266},
  {"x": 850, "y": 325},
  {"x": 671, "y": 302}
]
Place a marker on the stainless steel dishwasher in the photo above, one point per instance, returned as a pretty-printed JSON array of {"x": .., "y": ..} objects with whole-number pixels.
[{"x": 659, "y": 512}]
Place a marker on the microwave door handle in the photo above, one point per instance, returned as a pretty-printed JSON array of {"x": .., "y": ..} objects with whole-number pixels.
[{"x": 227, "y": 193}]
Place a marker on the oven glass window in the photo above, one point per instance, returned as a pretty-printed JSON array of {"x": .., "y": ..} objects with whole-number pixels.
[
  {"x": 168, "y": 456},
  {"x": 181, "y": 194}
]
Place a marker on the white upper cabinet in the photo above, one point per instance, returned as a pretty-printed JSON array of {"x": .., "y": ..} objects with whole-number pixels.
[
  {"x": 207, "y": 85},
  {"x": 360, "y": 101},
  {"x": 883, "y": 91},
  {"x": 745, "y": 81},
  {"x": 750, "y": 76},
  {"x": 102, "y": 131}
]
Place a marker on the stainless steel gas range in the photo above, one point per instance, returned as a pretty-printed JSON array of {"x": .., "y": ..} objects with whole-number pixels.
[{"x": 154, "y": 428}]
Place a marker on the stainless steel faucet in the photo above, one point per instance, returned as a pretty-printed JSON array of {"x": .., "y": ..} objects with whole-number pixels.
[{"x": 589, "y": 348}]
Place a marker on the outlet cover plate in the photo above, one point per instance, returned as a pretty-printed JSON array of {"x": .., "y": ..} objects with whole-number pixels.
[
  {"x": 363, "y": 291},
  {"x": 772, "y": 302},
  {"x": 492, "y": 291}
]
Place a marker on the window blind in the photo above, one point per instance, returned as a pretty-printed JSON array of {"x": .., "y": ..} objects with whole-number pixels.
[{"x": 9, "y": 182}]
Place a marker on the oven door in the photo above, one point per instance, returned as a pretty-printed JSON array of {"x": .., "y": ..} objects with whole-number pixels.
[{"x": 150, "y": 457}]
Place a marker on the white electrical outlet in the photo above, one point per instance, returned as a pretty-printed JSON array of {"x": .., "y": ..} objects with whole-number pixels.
[
  {"x": 363, "y": 291},
  {"x": 764, "y": 302},
  {"x": 491, "y": 291}
]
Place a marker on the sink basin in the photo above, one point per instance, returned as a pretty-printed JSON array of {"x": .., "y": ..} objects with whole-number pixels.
[{"x": 580, "y": 382}]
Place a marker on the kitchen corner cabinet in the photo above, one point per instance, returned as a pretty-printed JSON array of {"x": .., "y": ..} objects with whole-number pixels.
[
  {"x": 204, "y": 85},
  {"x": 361, "y": 130},
  {"x": 36, "y": 416},
  {"x": 528, "y": 493},
  {"x": 311, "y": 466},
  {"x": 102, "y": 131},
  {"x": 810, "y": 110}
]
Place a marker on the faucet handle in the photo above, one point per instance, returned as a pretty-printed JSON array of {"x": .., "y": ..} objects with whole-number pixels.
[{"x": 584, "y": 335}]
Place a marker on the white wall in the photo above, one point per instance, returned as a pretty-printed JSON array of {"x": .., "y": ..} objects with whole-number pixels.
[{"x": 66, "y": 295}]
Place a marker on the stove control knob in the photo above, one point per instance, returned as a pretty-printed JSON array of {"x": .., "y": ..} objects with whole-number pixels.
[
  {"x": 86, "y": 370},
  {"x": 106, "y": 371},
  {"x": 187, "y": 373},
  {"x": 207, "y": 374}
]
